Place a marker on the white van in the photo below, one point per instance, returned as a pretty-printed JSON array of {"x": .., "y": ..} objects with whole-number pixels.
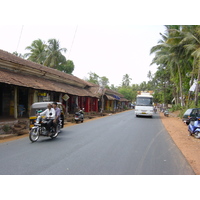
[{"x": 144, "y": 105}]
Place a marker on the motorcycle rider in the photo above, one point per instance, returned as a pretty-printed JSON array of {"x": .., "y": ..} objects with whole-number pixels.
[
  {"x": 57, "y": 115},
  {"x": 50, "y": 116}
]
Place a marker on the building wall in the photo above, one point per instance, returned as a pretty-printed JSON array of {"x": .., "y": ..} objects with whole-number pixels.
[{"x": 109, "y": 105}]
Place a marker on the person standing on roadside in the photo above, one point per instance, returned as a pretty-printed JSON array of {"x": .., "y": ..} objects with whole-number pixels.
[{"x": 57, "y": 114}]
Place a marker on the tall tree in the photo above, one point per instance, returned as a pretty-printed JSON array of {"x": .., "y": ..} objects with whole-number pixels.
[
  {"x": 103, "y": 81},
  {"x": 191, "y": 42},
  {"x": 93, "y": 78},
  {"x": 171, "y": 53},
  {"x": 18, "y": 54},
  {"x": 37, "y": 51},
  {"x": 50, "y": 55},
  {"x": 67, "y": 67},
  {"x": 126, "y": 80},
  {"x": 54, "y": 54}
]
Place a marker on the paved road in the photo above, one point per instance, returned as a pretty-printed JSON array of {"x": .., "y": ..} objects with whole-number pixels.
[{"x": 120, "y": 144}]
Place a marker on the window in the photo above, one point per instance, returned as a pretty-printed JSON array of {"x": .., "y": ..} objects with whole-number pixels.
[{"x": 144, "y": 101}]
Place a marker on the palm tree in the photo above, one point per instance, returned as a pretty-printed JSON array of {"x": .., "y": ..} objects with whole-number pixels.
[
  {"x": 37, "y": 51},
  {"x": 192, "y": 44},
  {"x": 171, "y": 52},
  {"x": 54, "y": 54},
  {"x": 162, "y": 59},
  {"x": 126, "y": 80}
]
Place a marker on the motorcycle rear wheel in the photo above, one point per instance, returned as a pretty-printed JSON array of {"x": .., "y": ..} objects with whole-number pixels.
[
  {"x": 34, "y": 135},
  {"x": 197, "y": 135},
  {"x": 55, "y": 133}
]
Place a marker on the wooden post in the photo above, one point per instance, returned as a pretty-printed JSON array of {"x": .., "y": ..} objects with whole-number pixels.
[{"x": 15, "y": 102}]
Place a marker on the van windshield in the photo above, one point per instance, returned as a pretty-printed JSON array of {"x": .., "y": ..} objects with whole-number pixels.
[{"x": 144, "y": 101}]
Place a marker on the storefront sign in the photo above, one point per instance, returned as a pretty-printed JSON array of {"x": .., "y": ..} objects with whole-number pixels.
[
  {"x": 65, "y": 97},
  {"x": 44, "y": 94}
]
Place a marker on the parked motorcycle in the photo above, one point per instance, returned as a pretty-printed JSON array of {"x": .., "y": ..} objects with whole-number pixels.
[
  {"x": 194, "y": 127},
  {"x": 166, "y": 113},
  {"x": 79, "y": 116},
  {"x": 39, "y": 129}
]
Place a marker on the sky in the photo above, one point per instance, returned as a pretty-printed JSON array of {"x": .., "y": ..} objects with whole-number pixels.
[
  {"x": 110, "y": 51},
  {"x": 109, "y": 38}
]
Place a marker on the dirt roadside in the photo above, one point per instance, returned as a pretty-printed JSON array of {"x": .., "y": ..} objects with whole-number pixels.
[{"x": 188, "y": 145}]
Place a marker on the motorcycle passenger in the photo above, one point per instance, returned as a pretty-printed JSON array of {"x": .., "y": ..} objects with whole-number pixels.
[
  {"x": 57, "y": 115},
  {"x": 50, "y": 116}
]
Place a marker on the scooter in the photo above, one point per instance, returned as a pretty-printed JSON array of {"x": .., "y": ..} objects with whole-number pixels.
[
  {"x": 194, "y": 127},
  {"x": 79, "y": 116},
  {"x": 39, "y": 129}
]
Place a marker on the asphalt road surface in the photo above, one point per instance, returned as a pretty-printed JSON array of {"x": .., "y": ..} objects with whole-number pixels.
[{"x": 120, "y": 144}]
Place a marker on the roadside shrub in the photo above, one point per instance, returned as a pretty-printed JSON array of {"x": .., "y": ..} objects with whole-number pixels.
[
  {"x": 176, "y": 107},
  {"x": 182, "y": 111},
  {"x": 6, "y": 129}
]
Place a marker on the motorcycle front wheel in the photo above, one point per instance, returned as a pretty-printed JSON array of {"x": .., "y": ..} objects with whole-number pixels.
[{"x": 34, "y": 134}]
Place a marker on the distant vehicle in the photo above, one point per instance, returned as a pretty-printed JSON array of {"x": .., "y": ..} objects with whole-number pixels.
[
  {"x": 190, "y": 113},
  {"x": 166, "y": 113},
  {"x": 144, "y": 105},
  {"x": 79, "y": 116}
]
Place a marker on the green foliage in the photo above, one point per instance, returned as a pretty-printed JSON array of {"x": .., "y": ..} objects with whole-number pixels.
[
  {"x": 18, "y": 54},
  {"x": 176, "y": 107},
  {"x": 6, "y": 128},
  {"x": 96, "y": 79},
  {"x": 127, "y": 92},
  {"x": 126, "y": 80},
  {"x": 50, "y": 55},
  {"x": 93, "y": 78},
  {"x": 37, "y": 51},
  {"x": 103, "y": 81},
  {"x": 177, "y": 55},
  {"x": 67, "y": 67}
]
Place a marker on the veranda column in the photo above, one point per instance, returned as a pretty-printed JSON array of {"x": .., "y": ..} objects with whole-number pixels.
[{"x": 15, "y": 102}]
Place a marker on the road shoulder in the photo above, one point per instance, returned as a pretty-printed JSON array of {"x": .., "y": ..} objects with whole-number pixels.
[{"x": 188, "y": 145}]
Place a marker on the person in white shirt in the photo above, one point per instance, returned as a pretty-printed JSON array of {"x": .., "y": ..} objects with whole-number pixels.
[{"x": 50, "y": 116}]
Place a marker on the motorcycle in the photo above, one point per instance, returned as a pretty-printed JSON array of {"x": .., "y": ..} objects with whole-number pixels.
[
  {"x": 79, "y": 116},
  {"x": 39, "y": 129},
  {"x": 166, "y": 113},
  {"x": 194, "y": 127}
]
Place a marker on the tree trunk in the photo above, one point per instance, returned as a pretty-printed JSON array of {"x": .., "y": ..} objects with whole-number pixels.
[
  {"x": 197, "y": 89},
  {"x": 180, "y": 85}
]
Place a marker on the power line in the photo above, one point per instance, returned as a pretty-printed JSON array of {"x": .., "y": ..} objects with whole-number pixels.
[
  {"x": 72, "y": 41},
  {"x": 20, "y": 37}
]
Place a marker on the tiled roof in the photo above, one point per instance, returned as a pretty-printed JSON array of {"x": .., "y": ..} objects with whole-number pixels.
[
  {"x": 14, "y": 78},
  {"x": 43, "y": 70},
  {"x": 45, "y": 78}
]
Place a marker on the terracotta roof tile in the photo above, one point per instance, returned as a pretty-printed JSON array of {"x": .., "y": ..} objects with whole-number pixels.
[
  {"x": 13, "y": 78},
  {"x": 6, "y": 56}
]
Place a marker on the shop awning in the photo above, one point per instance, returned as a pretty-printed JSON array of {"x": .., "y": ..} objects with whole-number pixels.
[{"x": 109, "y": 97}]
